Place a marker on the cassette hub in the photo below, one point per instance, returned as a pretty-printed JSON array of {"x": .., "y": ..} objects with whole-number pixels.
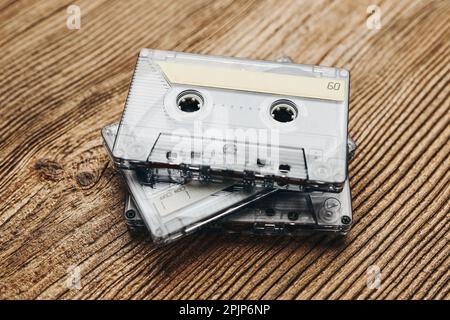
[
  {"x": 283, "y": 111},
  {"x": 190, "y": 101}
]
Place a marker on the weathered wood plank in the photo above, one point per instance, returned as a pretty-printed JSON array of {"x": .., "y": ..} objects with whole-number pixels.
[{"x": 61, "y": 201}]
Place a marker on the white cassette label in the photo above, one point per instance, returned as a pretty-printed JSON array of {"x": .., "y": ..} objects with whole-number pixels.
[
  {"x": 254, "y": 81},
  {"x": 181, "y": 196}
]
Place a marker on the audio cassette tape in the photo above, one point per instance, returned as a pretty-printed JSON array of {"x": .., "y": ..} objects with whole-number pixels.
[
  {"x": 170, "y": 211},
  {"x": 294, "y": 213},
  {"x": 219, "y": 119},
  {"x": 284, "y": 212}
]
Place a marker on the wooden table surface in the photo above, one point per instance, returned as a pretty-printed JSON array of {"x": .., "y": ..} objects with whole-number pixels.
[{"x": 61, "y": 201}]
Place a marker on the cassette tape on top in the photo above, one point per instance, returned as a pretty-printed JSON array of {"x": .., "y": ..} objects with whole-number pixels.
[
  {"x": 216, "y": 119},
  {"x": 170, "y": 211}
]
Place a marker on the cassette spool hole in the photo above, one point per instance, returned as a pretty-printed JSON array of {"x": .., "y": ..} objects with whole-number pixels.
[
  {"x": 283, "y": 111},
  {"x": 190, "y": 101}
]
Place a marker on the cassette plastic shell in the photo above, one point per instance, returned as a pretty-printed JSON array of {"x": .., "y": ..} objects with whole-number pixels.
[
  {"x": 294, "y": 213},
  {"x": 310, "y": 150},
  {"x": 281, "y": 213}
]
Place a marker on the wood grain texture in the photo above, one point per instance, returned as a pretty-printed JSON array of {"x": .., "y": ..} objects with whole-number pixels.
[{"x": 61, "y": 201}]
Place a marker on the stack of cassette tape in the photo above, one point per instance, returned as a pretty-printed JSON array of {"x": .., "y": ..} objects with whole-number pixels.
[{"x": 233, "y": 144}]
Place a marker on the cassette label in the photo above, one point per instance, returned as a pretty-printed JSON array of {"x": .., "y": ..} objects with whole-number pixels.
[
  {"x": 180, "y": 196},
  {"x": 254, "y": 81}
]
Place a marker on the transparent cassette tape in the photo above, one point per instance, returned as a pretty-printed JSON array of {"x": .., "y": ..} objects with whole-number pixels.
[
  {"x": 170, "y": 211},
  {"x": 294, "y": 213},
  {"x": 283, "y": 212},
  {"x": 216, "y": 119}
]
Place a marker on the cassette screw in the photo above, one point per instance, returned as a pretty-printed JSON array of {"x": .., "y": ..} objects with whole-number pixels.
[
  {"x": 130, "y": 214},
  {"x": 346, "y": 220}
]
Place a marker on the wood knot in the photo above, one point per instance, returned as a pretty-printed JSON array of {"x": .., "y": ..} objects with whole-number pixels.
[
  {"x": 48, "y": 169},
  {"x": 85, "y": 178}
]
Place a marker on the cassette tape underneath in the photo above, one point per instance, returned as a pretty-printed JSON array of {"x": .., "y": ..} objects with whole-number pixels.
[
  {"x": 281, "y": 213},
  {"x": 216, "y": 119},
  {"x": 294, "y": 213},
  {"x": 170, "y": 211}
]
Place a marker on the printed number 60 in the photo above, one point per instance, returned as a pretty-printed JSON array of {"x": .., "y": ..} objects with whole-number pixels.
[{"x": 333, "y": 86}]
